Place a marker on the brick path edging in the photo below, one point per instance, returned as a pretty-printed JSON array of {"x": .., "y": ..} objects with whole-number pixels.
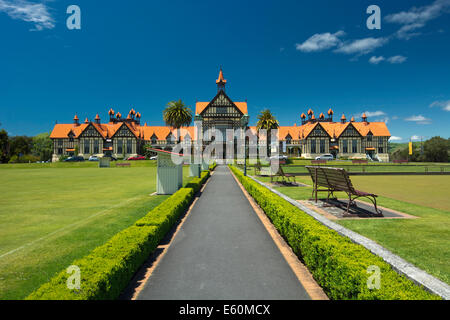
[{"x": 400, "y": 265}]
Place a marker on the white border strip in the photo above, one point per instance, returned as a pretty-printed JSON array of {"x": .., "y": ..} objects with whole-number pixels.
[{"x": 400, "y": 265}]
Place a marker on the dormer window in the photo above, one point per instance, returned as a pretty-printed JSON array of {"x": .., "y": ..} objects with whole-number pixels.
[
  {"x": 170, "y": 139},
  {"x": 154, "y": 139},
  {"x": 288, "y": 139}
]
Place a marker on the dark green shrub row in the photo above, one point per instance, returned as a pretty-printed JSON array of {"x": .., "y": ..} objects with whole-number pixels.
[
  {"x": 197, "y": 183},
  {"x": 213, "y": 166},
  {"x": 338, "y": 265},
  {"x": 107, "y": 270}
]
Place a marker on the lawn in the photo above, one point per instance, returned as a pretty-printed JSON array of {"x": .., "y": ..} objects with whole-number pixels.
[
  {"x": 53, "y": 214},
  {"x": 424, "y": 242}
]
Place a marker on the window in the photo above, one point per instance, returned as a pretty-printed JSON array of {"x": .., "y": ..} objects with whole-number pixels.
[
  {"x": 380, "y": 150},
  {"x": 86, "y": 147},
  {"x": 369, "y": 138},
  {"x": 221, "y": 109},
  {"x": 380, "y": 141},
  {"x": 322, "y": 146},
  {"x": 355, "y": 146},
  {"x": 129, "y": 147},
  {"x": 120, "y": 146},
  {"x": 313, "y": 146},
  {"x": 96, "y": 147},
  {"x": 344, "y": 146}
]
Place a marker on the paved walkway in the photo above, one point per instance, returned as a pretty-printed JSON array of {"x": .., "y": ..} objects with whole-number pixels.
[{"x": 222, "y": 251}]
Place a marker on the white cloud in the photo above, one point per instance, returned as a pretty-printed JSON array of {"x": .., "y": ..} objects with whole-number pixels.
[
  {"x": 394, "y": 138},
  {"x": 361, "y": 46},
  {"x": 420, "y": 119},
  {"x": 397, "y": 59},
  {"x": 374, "y": 113},
  {"x": 416, "y": 18},
  {"x": 445, "y": 105},
  {"x": 36, "y": 13},
  {"x": 376, "y": 60},
  {"x": 415, "y": 138},
  {"x": 320, "y": 42}
]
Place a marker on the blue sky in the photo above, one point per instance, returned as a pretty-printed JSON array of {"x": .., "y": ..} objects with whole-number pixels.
[{"x": 287, "y": 56}]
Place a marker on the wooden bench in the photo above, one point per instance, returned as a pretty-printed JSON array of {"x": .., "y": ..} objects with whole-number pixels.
[
  {"x": 123, "y": 164},
  {"x": 267, "y": 171},
  {"x": 357, "y": 161},
  {"x": 318, "y": 161},
  {"x": 337, "y": 179}
]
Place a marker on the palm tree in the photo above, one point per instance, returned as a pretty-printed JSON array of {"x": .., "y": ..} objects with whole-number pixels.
[
  {"x": 177, "y": 115},
  {"x": 267, "y": 121}
]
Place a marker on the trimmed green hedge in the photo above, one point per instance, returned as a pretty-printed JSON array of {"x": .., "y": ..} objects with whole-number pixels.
[
  {"x": 107, "y": 270},
  {"x": 338, "y": 265},
  {"x": 197, "y": 183},
  {"x": 213, "y": 166}
]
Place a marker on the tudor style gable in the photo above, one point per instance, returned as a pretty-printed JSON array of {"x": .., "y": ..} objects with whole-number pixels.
[
  {"x": 90, "y": 132},
  {"x": 124, "y": 132},
  {"x": 350, "y": 132},
  {"x": 221, "y": 106},
  {"x": 318, "y": 132}
]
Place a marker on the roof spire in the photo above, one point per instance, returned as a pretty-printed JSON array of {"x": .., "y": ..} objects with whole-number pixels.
[{"x": 221, "y": 82}]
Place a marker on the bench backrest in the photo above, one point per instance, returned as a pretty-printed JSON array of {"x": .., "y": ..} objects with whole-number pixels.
[
  {"x": 332, "y": 178},
  {"x": 318, "y": 161},
  {"x": 360, "y": 161}
]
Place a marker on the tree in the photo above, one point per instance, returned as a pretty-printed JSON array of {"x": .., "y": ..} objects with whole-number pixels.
[
  {"x": 177, "y": 115},
  {"x": 268, "y": 122},
  {"x": 4, "y": 146},
  {"x": 42, "y": 146},
  {"x": 20, "y": 145},
  {"x": 436, "y": 150}
]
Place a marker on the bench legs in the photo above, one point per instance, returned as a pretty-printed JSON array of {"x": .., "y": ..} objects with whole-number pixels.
[{"x": 373, "y": 199}]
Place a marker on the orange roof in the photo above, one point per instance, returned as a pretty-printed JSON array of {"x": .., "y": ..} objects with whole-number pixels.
[
  {"x": 76, "y": 118},
  {"x": 162, "y": 132},
  {"x": 221, "y": 78},
  {"x": 97, "y": 117},
  {"x": 321, "y": 116},
  {"x": 303, "y": 116},
  {"x": 330, "y": 112},
  {"x": 86, "y": 120},
  {"x": 201, "y": 106},
  {"x": 343, "y": 117},
  {"x": 310, "y": 112},
  {"x": 352, "y": 119},
  {"x": 377, "y": 128}
]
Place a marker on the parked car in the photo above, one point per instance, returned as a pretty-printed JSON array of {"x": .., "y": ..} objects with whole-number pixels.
[
  {"x": 74, "y": 159},
  {"x": 111, "y": 158},
  {"x": 136, "y": 158},
  {"x": 94, "y": 158},
  {"x": 279, "y": 157},
  {"x": 326, "y": 156},
  {"x": 154, "y": 158}
]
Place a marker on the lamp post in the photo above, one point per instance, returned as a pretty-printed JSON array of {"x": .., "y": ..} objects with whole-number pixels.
[{"x": 245, "y": 157}]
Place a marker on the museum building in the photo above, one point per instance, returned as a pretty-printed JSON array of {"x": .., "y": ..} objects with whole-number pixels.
[{"x": 125, "y": 136}]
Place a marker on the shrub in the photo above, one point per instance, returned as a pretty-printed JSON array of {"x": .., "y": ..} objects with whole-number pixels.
[
  {"x": 338, "y": 265},
  {"x": 166, "y": 214},
  {"x": 213, "y": 166},
  {"x": 106, "y": 270}
]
